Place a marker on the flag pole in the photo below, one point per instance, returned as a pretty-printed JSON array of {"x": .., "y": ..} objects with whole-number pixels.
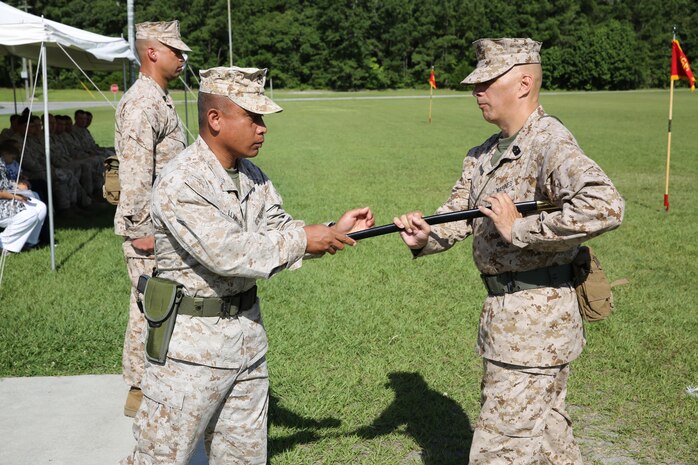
[
  {"x": 668, "y": 148},
  {"x": 431, "y": 94}
]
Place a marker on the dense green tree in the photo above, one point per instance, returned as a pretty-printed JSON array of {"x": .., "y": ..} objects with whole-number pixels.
[{"x": 378, "y": 44}]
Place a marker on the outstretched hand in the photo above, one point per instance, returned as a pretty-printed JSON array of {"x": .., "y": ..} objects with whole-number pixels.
[
  {"x": 415, "y": 231},
  {"x": 354, "y": 220},
  {"x": 324, "y": 239}
]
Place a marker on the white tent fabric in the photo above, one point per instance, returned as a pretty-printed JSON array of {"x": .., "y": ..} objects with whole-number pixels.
[
  {"x": 21, "y": 34},
  {"x": 25, "y": 35}
]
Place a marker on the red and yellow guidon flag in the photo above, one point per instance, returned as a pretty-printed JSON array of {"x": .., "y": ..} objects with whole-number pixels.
[
  {"x": 432, "y": 79},
  {"x": 680, "y": 68}
]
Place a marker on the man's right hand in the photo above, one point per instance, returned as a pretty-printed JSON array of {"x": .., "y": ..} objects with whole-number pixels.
[
  {"x": 144, "y": 244},
  {"x": 415, "y": 231},
  {"x": 322, "y": 239}
]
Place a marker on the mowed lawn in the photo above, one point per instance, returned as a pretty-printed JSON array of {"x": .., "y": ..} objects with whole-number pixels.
[{"x": 372, "y": 355}]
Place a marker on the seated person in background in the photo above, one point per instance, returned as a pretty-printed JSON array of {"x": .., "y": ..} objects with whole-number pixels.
[
  {"x": 20, "y": 215},
  {"x": 8, "y": 133},
  {"x": 93, "y": 163},
  {"x": 83, "y": 136},
  {"x": 67, "y": 191},
  {"x": 62, "y": 156},
  {"x": 9, "y": 155}
]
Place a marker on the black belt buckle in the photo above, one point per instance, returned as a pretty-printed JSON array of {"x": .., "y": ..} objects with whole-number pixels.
[
  {"x": 225, "y": 308},
  {"x": 511, "y": 282}
]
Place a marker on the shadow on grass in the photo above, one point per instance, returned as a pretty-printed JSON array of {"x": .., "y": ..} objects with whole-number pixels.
[
  {"x": 438, "y": 424},
  {"x": 101, "y": 218},
  {"x": 281, "y": 416},
  {"x": 77, "y": 249}
]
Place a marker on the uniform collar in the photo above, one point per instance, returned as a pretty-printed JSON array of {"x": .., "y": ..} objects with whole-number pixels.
[
  {"x": 150, "y": 81},
  {"x": 226, "y": 184},
  {"x": 518, "y": 147}
]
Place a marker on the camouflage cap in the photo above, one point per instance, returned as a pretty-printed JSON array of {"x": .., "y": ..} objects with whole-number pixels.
[
  {"x": 244, "y": 86},
  {"x": 497, "y": 56},
  {"x": 166, "y": 32}
]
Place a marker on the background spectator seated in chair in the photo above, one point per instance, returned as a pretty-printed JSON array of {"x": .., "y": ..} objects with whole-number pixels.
[
  {"x": 9, "y": 153},
  {"x": 83, "y": 119},
  {"x": 73, "y": 146},
  {"x": 21, "y": 215},
  {"x": 62, "y": 156},
  {"x": 8, "y": 133},
  {"x": 67, "y": 191}
]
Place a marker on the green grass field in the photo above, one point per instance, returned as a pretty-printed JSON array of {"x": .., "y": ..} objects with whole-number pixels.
[{"x": 372, "y": 355}]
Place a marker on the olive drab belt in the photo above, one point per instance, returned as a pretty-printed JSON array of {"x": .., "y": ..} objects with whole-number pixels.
[
  {"x": 514, "y": 281},
  {"x": 214, "y": 306}
]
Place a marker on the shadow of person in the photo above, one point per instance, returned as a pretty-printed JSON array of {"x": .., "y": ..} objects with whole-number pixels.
[
  {"x": 437, "y": 423},
  {"x": 306, "y": 430}
]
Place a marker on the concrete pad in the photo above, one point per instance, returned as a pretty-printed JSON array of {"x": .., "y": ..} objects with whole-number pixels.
[{"x": 66, "y": 420}]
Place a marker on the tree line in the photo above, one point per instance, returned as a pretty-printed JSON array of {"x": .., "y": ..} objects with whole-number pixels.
[{"x": 383, "y": 44}]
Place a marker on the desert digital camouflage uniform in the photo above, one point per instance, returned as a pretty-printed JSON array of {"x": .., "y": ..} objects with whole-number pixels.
[
  {"x": 65, "y": 184},
  {"x": 148, "y": 134},
  {"x": 92, "y": 160},
  {"x": 528, "y": 338},
  {"x": 61, "y": 157},
  {"x": 88, "y": 144},
  {"x": 216, "y": 240}
]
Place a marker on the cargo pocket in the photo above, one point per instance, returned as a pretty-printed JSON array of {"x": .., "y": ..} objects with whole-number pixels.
[
  {"x": 161, "y": 385},
  {"x": 516, "y": 402}
]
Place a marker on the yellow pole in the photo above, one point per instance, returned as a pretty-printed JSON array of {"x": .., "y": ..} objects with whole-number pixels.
[
  {"x": 85, "y": 87},
  {"x": 668, "y": 148}
]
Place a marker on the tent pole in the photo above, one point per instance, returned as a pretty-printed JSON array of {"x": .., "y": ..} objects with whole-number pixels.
[
  {"x": 47, "y": 144},
  {"x": 131, "y": 38}
]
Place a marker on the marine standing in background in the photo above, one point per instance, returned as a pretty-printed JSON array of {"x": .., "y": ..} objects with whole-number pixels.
[
  {"x": 530, "y": 326},
  {"x": 220, "y": 226},
  {"x": 148, "y": 134}
]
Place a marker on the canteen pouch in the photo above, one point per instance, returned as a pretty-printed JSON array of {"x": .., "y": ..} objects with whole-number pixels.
[
  {"x": 592, "y": 286},
  {"x": 160, "y": 302},
  {"x": 111, "y": 190}
]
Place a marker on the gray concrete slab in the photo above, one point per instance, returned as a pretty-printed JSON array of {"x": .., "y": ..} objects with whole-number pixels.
[{"x": 66, "y": 420}]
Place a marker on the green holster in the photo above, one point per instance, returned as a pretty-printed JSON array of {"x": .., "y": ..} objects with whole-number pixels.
[{"x": 161, "y": 299}]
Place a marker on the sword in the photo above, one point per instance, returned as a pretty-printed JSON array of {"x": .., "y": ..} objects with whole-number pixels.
[{"x": 522, "y": 207}]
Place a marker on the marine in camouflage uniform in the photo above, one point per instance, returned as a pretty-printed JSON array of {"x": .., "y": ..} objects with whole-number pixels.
[
  {"x": 530, "y": 326},
  {"x": 148, "y": 134},
  {"x": 219, "y": 226},
  {"x": 67, "y": 191}
]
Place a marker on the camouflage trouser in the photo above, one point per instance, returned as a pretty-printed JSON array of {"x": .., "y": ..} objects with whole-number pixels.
[
  {"x": 133, "y": 356},
  {"x": 523, "y": 418},
  {"x": 65, "y": 193},
  {"x": 182, "y": 401}
]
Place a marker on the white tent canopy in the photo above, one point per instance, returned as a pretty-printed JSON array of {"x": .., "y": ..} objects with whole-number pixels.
[
  {"x": 21, "y": 34},
  {"x": 55, "y": 44}
]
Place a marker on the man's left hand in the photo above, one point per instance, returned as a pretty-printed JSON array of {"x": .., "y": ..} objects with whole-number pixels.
[
  {"x": 355, "y": 220},
  {"x": 503, "y": 213}
]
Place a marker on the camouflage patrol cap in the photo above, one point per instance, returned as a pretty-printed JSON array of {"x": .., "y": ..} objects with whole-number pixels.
[
  {"x": 166, "y": 32},
  {"x": 497, "y": 56},
  {"x": 244, "y": 86}
]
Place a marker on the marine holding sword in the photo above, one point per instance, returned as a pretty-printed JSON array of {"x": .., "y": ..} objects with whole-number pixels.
[
  {"x": 530, "y": 326},
  {"x": 219, "y": 226}
]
